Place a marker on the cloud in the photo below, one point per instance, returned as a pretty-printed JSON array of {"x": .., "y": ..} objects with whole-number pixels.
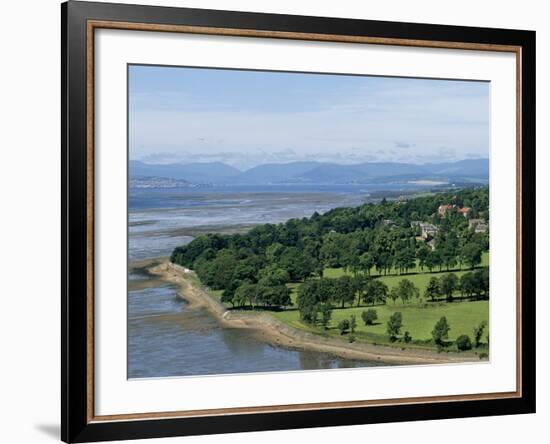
[
  {"x": 162, "y": 157},
  {"x": 248, "y": 119},
  {"x": 404, "y": 145},
  {"x": 446, "y": 153}
]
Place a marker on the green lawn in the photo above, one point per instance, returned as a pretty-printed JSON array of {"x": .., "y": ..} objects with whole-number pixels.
[
  {"x": 418, "y": 320},
  {"x": 419, "y": 280},
  {"x": 419, "y": 317}
]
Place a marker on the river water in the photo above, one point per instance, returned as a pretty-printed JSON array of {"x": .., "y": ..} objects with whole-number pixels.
[{"x": 165, "y": 338}]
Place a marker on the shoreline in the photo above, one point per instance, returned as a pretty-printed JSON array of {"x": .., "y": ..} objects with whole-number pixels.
[{"x": 277, "y": 333}]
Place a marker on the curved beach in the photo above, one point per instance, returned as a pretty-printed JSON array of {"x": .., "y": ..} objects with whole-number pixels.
[{"x": 277, "y": 333}]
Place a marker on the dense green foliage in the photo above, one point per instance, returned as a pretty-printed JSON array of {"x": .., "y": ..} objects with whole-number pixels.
[
  {"x": 478, "y": 333},
  {"x": 344, "y": 326},
  {"x": 255, "y": 268},
  {"x": 369, "y": 316},
  {"x": 394, "y": 325},
  {"x": 463, "y": 343},
  {"x": 441, "y": 331}
]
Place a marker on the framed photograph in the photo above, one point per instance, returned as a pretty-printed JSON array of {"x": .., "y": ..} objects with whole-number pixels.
[{"x": 275, "y": 221}]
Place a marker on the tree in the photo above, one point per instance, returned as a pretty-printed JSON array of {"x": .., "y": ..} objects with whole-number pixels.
[
  {"x": 326, "y": 315},
  {"x": 449, "y": 249},
  {"x": 227, "y": 298},
  {"x": 281, "y": 296},
  {"x": 353, "y": 323},
  {"x": 307, "y": 301},
  {"x": 218, "y": 272},
  {"x": 383, "y": 262},
  {"x": 430, "y": 261},
  {"x": 332, "y": 251},
  {"x": 376, "y": 292},
  {"x": 247, "y": 293},
  {"x": 276, "y": 296},
  {"x": 471, "y": 254},
  {"x": 343, "y": 326},
  {"x": 369, "y": 316},
  {"x": 228, "y": 295},
  {"x": 449, "y": 283},
  {"x": 407, "y": 290},
  {"x": 478, "y": 333},
  {"x": 360, "y": 283},
  {"x": 273, "y": 252},
  {"x": 467, "y": 284},
  {"x": 296, "y": 263},
  {"x": 366, "y": 262},
  {"x": 394, "y": 325},
  {"x": 441, "y": 332},
  {"x": 244, "y": 272},
  {"x": 433, "y": 289},
  {"x": 394, "y": 294},
  {"x": 404, "y": 259},
  {"x": 481, "y": 282},
  {"x": 325, "y": 290},
  {"x": 438, "y": 258},
  {"x": 463, "y": 342},
  {"x": 351, "y": 261},
  {"x": 188, "y": 254},
  {"x": 272, "y": 276},
  {"x": 344, "y": 290},
  {"x": 422, "y": 255}
]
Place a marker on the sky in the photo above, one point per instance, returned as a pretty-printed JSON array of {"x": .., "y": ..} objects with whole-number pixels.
[{"x": 247, "y": 118}]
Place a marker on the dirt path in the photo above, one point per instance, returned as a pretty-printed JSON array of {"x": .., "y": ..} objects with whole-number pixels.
[{"x": 277, "y": 333}]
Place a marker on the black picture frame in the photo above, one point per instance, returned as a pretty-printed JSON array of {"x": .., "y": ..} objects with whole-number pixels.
[{"x": 76, "y": 423}]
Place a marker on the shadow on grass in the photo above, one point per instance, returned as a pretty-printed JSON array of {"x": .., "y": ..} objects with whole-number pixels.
[{"x": 426, "y": 271}]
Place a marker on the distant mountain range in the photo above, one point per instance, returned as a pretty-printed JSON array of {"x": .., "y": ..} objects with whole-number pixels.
[
  {"x": 211, "y": 172},
  {"x": 471, "y": 170},
  {"x": 157, "y": 182}
]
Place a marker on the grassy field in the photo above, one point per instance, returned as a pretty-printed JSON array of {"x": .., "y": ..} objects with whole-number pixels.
[
  {"x": 419, "y": 317},
  {"x": 418, "y": 320}
]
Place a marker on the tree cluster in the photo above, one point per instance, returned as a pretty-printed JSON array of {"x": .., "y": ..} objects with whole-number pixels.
[
  {"x": 253, "y": 268},
  {"x": 470, "y": 284}
]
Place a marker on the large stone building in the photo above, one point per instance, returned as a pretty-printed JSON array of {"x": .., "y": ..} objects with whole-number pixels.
[{"x": 428, "y": 230}]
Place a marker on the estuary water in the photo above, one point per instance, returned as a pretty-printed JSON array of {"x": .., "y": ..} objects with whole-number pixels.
[
  {"x": 163, "y": 218},
  {"x": 165, "y": 338}
]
